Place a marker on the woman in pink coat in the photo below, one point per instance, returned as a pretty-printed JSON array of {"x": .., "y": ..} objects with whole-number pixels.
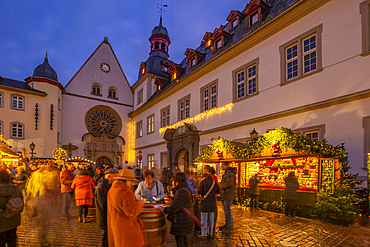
[{"x": 83, "y": 186}]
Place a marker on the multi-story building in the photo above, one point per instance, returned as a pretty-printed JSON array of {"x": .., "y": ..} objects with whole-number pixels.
[{"x": 293, "y": 63}]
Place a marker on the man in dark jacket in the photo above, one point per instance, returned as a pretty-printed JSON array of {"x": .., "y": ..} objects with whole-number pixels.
[
  {"x": 254, "y": 191},
  {"x": 291, "y": 187},
  {"x": 182, "y": 224},
  {"x": 228, "y": 193},
  {"x": 101, "y": 194},
  {"x": 208, "y": 190},
  {"x": 166, "y": 177}
]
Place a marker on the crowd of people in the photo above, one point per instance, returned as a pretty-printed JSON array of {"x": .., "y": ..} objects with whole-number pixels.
[{"x": 119, "y": 196}]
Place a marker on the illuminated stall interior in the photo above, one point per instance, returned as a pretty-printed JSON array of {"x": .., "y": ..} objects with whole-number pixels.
[
  {"x": 272, "y": 156},
  {"x": 77, "y": 160},
  {"x": 7, "y": 155}
]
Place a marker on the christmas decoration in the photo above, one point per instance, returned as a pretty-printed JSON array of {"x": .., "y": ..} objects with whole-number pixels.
[{"x": 59, "y": 154}]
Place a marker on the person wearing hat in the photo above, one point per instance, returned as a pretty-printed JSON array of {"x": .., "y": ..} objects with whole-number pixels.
[
  {"x": 101, "y": 195},
  {"x": 124, "y": 226}
]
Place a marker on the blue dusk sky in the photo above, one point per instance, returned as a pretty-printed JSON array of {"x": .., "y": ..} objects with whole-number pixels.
[{"x": 70, "y": 31}]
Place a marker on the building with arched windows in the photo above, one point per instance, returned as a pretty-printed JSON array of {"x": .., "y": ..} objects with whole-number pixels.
[{"x": 276, "y": 63}]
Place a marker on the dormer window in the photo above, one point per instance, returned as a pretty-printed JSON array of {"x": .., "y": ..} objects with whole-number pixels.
[
  {"x": 142, "y": 68},
  {"x": 158, "y": 87},
  {"x": 174, "y": 76},
  {"x": 256, "y": 10},
  {"x": 234, "y": 18},
  {"x": 165, "y": 68},
  {"x": 234, "y": 23},
  {"x": 254, "y": 18},
  {"x": 209, "y": 42},
  {"x": 193, "y": 62},
  {"x": 218, "y": 44}
]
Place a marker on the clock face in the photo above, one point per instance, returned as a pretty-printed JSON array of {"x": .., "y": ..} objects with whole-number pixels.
[{"x": 105, "y": 67}]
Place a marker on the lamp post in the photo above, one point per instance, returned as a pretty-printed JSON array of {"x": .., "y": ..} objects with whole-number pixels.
[
  {"x": 254, "y": 133},
  {"x": 32, "y": 147}
]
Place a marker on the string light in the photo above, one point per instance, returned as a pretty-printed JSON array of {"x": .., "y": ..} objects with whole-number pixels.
[
  {"x": 131, "y": 141},
  {"x": 198, "y": 117}
]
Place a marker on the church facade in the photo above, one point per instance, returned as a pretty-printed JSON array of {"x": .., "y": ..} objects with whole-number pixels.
[{"x": 279, "y": 63}]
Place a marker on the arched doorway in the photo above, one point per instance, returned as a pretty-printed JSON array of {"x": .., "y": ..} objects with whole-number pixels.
[
  {"x": 183, "y": 160},
  {"x": 103, "y": 161}
]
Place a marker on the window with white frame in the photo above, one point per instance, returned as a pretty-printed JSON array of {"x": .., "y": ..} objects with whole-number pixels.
[
  {"x": 245, "y": 80},
  {"x": 234, "y": 23},
  {"x": 209, "y": 96},
  {"x": 17, "y": 130},
  {"x": 314, "y": 135},
  {"x": 302, "y": 55},
  {"x": 254, "y": 18},
  {"x": 218, "y": 44},
  {"x": 17, "y": 102},
  {"x": 165, "y": 116},
  {"x": 365, "y": 27},
  {"x": 150, "y": 123},
  {"x": 1, "y": 99},
  {"x": 112, "y": 93},
  {"x": 150, "y": 161},
  {"x": 96, "y": 90},
  {"x": 1, "y": 128},
  {"x": 139, "y": 129},
  {"x": 184, "y": 108},
  {"x": 193, "y": 62},
  {"x": 140, "y": 96}
]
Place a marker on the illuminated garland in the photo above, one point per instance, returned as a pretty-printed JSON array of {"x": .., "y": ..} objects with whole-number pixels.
[
  {"x": 4, "y": 141},
  {"x": 59, "y": 154},
  {"x": 131, "y": 141},
  {"x": 286, "y": 139},
  {"x": 198, "y": 117}
]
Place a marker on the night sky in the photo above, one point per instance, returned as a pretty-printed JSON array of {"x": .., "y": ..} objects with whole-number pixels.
[{"x": 70, "y": 31}]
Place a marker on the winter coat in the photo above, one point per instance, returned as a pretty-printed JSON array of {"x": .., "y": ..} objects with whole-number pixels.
[
  {"x": 98, "y": 178},
  {"x": 182, "y": 224},
  {"x": 253, "y": 183},
  {"x": 166, "y": 176},
  {"x": 6, "y": 191},
  {"x": 83, "y": 186},
  {"x": 291, "y": 187},
  {"x": 101, "y": 195},
  {"x": 66, "y": 180},
  {"x": 124, "y": 227},
  {"x": 143, "y": 191},
  {"x": 228, "y": 184},
  {"x": 208, "y": 204}
]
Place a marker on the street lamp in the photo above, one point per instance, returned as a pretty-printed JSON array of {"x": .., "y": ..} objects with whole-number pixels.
[
  {"x": 254, "y": 134},
  {"x": 140, "y": 158},
  {"x": 32, "y": 147}
]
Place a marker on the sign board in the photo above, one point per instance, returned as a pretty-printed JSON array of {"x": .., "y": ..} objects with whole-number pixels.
[{"x": 327, "y": 176}]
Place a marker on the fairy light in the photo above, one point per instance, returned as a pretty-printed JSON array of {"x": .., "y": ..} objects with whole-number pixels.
[
  {"x": 131, "y": 141},
  {"x": 198, "y": 117}
]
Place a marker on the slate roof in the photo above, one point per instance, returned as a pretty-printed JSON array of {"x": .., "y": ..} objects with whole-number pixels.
[
  {"x": 45, "y": 70},
  {"x": 18, "y": 85},
  {"x": 276, "y": 8}
]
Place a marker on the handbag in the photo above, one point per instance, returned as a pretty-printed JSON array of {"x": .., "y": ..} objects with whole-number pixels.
[
  {"x": 14, "y": 206},
  {"x": 209, "y": 191}
]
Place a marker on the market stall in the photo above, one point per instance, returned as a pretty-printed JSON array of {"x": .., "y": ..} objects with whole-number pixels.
[
  {"x": 77, "y": 160},
  {"x": 7, "y": 156},
  {"x": 272, "y": 156}
]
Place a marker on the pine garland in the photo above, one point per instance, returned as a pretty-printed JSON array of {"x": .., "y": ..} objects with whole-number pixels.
[{"x": 284, "y": 137}]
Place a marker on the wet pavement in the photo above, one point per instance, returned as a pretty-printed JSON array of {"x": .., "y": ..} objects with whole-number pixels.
[{"x": 251, "y": 228}]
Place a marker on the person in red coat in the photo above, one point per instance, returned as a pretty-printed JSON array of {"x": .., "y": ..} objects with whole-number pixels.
[
  {"x": 124, "y": 226},
  {"x": 83, "y": 186}
]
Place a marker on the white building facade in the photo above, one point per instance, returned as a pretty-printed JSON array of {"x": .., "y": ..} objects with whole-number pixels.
[{"x": 303, "y": 65}]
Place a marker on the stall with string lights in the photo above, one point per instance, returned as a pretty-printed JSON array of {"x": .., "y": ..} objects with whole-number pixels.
[
  {"x": 7, "y": 155},
  {"x": 77, "y": 160},
  {"x": 272, "y": 156}
]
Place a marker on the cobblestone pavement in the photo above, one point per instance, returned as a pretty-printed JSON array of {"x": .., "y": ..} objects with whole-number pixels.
[{"x": 251, "y": 228}]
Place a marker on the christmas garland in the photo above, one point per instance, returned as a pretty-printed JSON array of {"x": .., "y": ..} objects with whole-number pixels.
[
  {"x": 59, "y": 154},
  {"x": 284, "y": 137}
]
